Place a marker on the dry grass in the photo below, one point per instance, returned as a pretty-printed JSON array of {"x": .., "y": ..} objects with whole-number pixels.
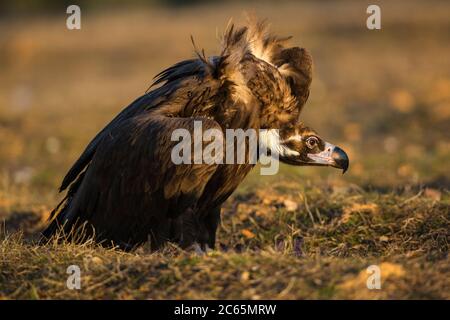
[
  {"x": 276, "y": 244},
  {"x": 305, "y": 233}
]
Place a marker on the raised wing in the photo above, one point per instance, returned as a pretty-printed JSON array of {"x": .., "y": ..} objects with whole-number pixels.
[{"x": 191, "y": 81}]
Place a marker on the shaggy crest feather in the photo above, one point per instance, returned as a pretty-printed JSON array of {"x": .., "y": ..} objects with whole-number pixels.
[
  {"x": 234, "y": 49},
  {"x": 262, "y": 43}
]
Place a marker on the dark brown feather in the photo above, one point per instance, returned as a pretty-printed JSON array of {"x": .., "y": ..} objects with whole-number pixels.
[{"x": 125, "y": 186}]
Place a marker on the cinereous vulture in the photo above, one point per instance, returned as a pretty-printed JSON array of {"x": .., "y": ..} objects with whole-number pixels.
[{"x": 125, "y": 189}]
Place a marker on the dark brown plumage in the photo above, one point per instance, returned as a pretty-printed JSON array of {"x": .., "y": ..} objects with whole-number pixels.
[{"x": 124, "y": 187}]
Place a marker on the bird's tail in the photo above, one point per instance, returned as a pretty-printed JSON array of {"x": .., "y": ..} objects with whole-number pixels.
[
  {"x": 58, "y": 222},
  {"x": 55, "y": 221}
]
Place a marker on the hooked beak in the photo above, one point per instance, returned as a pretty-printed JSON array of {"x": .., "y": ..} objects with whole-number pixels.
[
  {"x": 340, "y": 159},
  {"x": 331, "y": 156}
]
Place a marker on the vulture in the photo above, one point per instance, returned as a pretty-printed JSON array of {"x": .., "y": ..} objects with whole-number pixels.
[{"x": 125, "y": 190}]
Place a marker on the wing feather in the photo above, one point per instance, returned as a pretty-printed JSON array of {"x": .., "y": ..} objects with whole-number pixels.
[{"x": 132, "y": 187}]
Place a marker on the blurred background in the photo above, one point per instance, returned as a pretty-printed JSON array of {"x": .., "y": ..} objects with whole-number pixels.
[{"x": 383, "y": 95}]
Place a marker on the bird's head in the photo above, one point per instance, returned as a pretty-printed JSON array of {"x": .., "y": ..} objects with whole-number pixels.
[{"x": 301, "y": 146}]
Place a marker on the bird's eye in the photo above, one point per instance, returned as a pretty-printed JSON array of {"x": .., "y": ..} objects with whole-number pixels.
[{"x": 311, "y": 142}]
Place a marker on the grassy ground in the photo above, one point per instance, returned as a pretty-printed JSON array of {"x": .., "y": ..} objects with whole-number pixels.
[
  {"x": 384, "y": 96},
  {"x": 280, "y": 243}
]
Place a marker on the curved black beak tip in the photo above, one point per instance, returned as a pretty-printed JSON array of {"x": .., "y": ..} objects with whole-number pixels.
[{"x": 340, "y": 158}]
